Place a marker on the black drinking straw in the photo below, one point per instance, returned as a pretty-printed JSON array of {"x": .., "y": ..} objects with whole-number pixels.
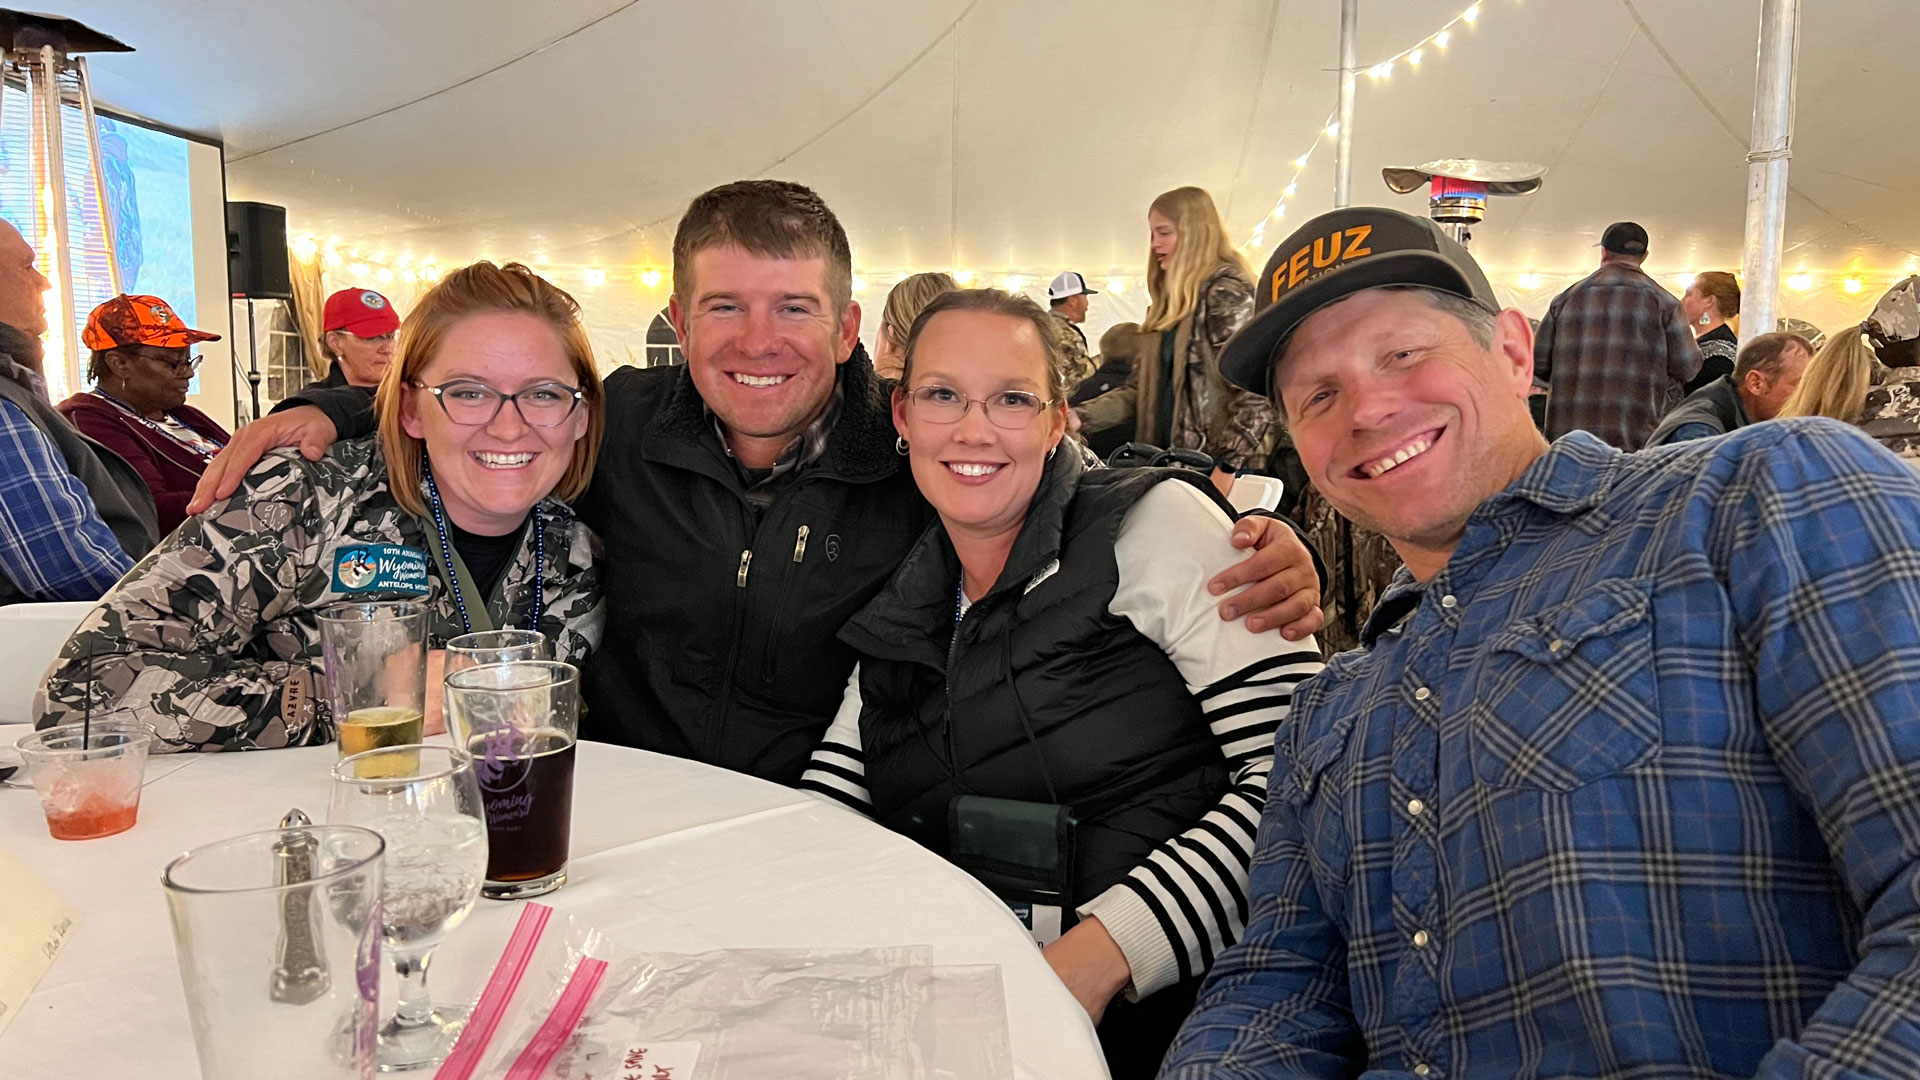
[{"x": 86, "y": 721}]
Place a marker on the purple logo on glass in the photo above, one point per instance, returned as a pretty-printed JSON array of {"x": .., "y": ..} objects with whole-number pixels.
[{"x": 498, "y": 765}]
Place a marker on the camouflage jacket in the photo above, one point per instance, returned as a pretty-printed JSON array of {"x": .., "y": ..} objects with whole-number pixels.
[
  {"x": 1361, "y": 564},
  {"x": 213, "y": 638},
  {"x": 1209, "y": 414},
  {"x": 1892, "y": 413},
  {"x": 1073, "y": 342}
]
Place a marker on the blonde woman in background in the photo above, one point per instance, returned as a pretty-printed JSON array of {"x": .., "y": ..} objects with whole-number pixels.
[
  {"x": 904, "y": 304},
  {"x": 1200, "y": 292},
  {"x": 1837, "y": 379},
  {"x": 1869, "y": 374}
]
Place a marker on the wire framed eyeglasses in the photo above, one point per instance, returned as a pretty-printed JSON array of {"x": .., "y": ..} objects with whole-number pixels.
[{"x": 1009, "y": 409}]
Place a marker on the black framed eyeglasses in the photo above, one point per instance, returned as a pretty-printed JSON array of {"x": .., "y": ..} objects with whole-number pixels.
[
  {"x": 473, "y": 404},
  {"x": 1010, "y": 409},
  {"x": 189, "y": 365}
]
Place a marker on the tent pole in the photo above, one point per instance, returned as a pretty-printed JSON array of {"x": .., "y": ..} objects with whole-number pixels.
[
  {"x": 1343, "y": 142},
  {"x": 1767, "y": 160}
]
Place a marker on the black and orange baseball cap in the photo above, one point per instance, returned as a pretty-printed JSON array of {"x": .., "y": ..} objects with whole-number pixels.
[
  {"x": 360, "y": 312},
  {"x": 1332, "y": 257},
  {"x": 139, "y": 319}
]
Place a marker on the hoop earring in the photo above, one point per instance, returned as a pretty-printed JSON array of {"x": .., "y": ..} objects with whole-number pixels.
[{"x": 900, "y": 446}]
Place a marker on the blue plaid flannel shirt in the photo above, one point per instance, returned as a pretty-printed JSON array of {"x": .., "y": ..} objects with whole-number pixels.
[
  {"x": 1632, "y": 789},
  {"x": 53, "y": 545}
]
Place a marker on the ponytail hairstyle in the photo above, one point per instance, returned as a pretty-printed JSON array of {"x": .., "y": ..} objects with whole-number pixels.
[
  {"x": 1837, "y": 378},
  {"x": 907, "y": 300}
]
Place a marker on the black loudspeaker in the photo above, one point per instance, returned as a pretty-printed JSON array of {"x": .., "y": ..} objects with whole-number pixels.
[{"x": 257, "y": 251}]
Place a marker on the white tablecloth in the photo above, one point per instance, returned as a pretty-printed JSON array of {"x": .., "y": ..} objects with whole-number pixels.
[{"x": 667, "y": 855}]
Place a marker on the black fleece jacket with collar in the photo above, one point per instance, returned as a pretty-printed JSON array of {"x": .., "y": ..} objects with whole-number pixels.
[{"x": 723, "y": 610}]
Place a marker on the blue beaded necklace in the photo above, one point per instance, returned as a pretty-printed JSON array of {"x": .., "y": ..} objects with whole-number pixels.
[{"x": 446, "y": 553}]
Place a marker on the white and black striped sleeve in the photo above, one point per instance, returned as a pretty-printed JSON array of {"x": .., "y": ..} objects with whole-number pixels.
[
  {"x": 838, "y": 770},
  {"x": 1176, "y": 911}
]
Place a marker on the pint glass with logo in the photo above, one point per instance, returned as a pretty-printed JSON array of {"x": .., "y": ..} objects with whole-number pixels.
[{"x": 519, "y": 720}]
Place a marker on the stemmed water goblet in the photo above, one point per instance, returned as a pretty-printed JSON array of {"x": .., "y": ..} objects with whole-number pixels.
[{"x": 425, "y": 801}]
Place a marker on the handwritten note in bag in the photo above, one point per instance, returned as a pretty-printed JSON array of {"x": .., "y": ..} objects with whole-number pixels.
[
  {"x": 659, "y": 1061},
  {"x": 34, "y": 926}
]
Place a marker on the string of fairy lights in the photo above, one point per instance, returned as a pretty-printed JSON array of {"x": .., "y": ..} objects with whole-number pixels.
[
  {"x": 351, "y": 266},
  {"x": 354, "y": 267},
  {"x": 1854, "y": 280},
  {"x": 1412, "y": 56},
  {"x": 372, "y": 268}
]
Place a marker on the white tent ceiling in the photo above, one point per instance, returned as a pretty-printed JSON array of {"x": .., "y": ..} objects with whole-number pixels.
[{"x": 1013, "y": 136}]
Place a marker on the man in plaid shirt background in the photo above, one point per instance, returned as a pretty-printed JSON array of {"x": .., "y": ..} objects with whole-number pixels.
[
  {"x": 1614, "y": 349},
  {"x": 74, "y": 515},
  {"x": 1624, "y": 780}
]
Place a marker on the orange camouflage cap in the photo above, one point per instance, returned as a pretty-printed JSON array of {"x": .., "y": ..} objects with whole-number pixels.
[{"x": 139, "y": 320}]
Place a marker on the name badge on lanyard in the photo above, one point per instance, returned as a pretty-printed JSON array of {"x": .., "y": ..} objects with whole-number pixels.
[{"x": 380, "y": 567}]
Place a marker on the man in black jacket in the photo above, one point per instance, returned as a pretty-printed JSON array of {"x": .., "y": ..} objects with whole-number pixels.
[{"x": 752, "y": 501}]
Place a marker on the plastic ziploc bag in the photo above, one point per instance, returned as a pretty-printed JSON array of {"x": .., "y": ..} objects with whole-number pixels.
[
  {"x": 585, "y": 1010},
  {"x": 542, "y": 969},
  {"x": 736, "y": 1014}
]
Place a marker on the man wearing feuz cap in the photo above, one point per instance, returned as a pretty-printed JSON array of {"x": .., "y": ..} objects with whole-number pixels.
[
  {"x": 359, "y": 326},
  {"x": 1619, "y": 782}
]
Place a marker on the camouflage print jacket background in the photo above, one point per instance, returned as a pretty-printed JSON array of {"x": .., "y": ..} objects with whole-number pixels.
[
  {"x": 213, "y": 638},
  {"x": 1892, "y": 413}
]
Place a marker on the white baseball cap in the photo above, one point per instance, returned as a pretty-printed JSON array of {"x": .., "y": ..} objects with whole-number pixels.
[{"x": 1069, "y": 284}]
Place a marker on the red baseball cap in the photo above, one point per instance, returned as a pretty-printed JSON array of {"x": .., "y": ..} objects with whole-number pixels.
[
  {"x": 360, "y": 312},
  {"x": 139, "y": 320}
]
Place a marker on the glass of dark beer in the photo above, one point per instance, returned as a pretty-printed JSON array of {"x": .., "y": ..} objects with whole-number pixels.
[{"x": 519, "y": 720}]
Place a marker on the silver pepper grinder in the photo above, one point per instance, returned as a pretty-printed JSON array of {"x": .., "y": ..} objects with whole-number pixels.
[{"x": 299, "y": 975}]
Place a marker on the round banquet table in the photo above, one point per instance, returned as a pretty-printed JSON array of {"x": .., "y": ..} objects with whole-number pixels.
[{"x": 667, "y": 855}]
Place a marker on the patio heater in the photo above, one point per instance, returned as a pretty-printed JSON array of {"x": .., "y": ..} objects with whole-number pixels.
[
  {"x": 52, "y": 186},
  {"x": 1458, "y": 188}
]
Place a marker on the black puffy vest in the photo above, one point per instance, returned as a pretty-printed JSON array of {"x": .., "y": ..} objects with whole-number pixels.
[{"x": 1042, "y": 672}]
